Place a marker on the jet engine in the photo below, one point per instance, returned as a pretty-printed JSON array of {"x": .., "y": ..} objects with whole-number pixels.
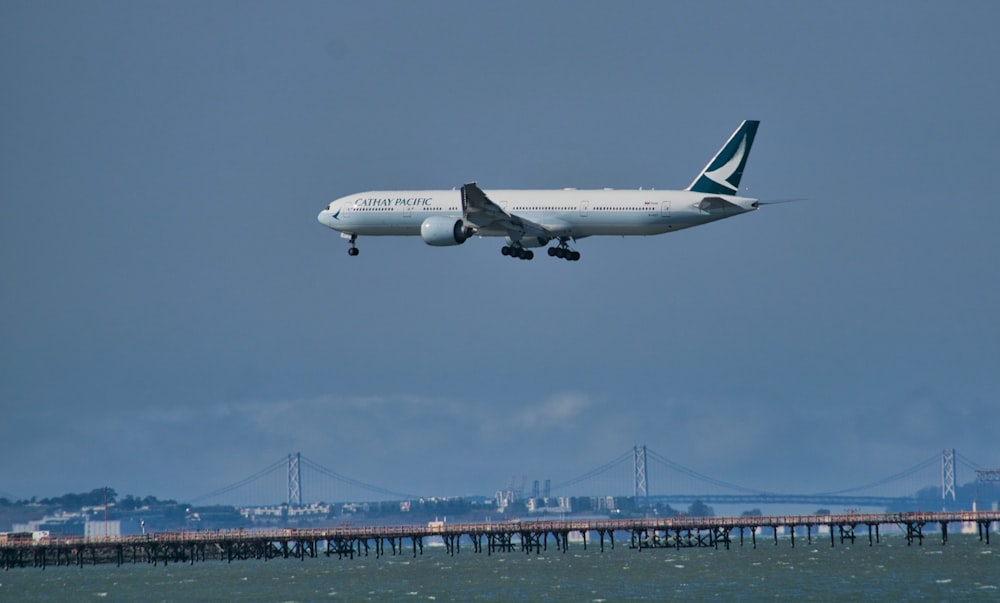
[{"x": 442, "y": 231}]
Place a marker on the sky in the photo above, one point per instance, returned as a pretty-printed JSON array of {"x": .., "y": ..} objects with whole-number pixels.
[{"x": 173, "y": 318}]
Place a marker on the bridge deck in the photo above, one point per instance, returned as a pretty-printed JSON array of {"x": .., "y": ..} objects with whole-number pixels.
[{"x": 526, "y": 536}]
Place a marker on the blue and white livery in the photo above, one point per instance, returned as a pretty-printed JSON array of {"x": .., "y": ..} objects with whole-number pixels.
[{"x": 536, "y": 218}]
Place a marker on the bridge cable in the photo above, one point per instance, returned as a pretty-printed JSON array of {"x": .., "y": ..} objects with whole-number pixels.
[
  {"x": 594, "y": 472},
  {"x": 892, "y": 478},
  {"x": 700, "y": 476},
  {"x": 353, "y": 482},
  {"x": 243, "y": 482},
  {"x": 968, "y": 463}
]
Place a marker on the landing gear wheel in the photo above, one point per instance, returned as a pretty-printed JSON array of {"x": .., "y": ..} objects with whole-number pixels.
[
  {"x": 516, "y": 251},
  {"x": 353, "y": 251},
  {"x": 564, "y": 252}
]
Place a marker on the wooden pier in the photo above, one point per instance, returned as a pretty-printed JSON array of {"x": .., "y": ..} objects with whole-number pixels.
[{"x": 525, "y": 536}]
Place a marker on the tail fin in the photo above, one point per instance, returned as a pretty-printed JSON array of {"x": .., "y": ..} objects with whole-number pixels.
[{"x": 722, "y": 174}]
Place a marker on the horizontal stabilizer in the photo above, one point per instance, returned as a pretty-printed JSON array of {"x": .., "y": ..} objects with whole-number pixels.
[{"x": 718, "y": 205}]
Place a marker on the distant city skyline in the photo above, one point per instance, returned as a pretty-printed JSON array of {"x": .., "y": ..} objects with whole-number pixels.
[{"x": 277, "y": 480}]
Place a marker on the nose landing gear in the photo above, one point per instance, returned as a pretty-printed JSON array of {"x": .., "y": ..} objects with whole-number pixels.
[{"x": 353, "y": 251}]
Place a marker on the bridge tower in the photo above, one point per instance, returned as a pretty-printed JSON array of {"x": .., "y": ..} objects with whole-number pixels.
[
  {"x": 640, "y": 471},
  {"x": 948, "y": 474},
  {"x": 294, "y": 480}
]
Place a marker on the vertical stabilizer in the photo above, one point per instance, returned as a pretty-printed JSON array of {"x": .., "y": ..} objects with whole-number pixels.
[{"x": 722, "y": 174}]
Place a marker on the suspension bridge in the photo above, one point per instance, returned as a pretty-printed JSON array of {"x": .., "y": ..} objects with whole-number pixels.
[
  {"x": 526, "y": 536},
  {"x": 639, "y": 472}
]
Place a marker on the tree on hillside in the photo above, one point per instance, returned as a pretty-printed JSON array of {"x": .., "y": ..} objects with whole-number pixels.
[
  {"x": 700, "y": 509},
  {"x": 95, "y": 498}
]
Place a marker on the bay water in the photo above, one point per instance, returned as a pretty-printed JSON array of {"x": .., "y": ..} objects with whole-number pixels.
[{"x": 965, "y": 569}]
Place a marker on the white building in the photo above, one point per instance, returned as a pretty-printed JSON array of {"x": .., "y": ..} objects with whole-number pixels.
[
  {"x": 102, "y": 529},
  {"x": 559, "y": 504}
]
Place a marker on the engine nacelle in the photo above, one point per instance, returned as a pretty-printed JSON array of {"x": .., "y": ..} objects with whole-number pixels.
[{"x": 442, "y": 231}]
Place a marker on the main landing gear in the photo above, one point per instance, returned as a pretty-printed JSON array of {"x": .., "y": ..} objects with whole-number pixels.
[
  {"x": 516, "y": 251},
  {"x": 563, "y": 251}
]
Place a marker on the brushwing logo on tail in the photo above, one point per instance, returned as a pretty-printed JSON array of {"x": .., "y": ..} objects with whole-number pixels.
[{"x": 722, "y": 174}]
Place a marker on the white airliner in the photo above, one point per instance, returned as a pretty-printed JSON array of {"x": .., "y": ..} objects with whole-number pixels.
[{"x": 535, "y": 218}]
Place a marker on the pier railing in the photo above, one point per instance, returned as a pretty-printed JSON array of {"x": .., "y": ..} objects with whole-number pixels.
[{"x": 526, "y": 535}]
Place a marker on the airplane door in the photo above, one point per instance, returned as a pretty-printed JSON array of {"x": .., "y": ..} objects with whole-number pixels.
[
  {"x": 584, "y": 208},
  {"x": 665, "y": 209}
]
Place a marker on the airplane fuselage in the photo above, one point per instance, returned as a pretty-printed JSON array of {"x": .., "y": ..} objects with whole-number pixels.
[{"x": 567, "y": 213}]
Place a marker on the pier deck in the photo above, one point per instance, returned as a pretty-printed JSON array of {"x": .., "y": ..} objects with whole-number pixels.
[{"x": 526, "y": 536}]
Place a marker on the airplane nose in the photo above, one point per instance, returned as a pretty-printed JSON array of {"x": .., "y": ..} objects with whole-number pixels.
[{"x": 324, "y": 217}]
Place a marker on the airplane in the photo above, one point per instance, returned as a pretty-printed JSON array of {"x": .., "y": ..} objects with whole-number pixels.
[{"x": 534, "y": 218}]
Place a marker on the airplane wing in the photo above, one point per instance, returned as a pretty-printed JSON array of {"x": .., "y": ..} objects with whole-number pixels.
[{"x": 477, "y": 209}]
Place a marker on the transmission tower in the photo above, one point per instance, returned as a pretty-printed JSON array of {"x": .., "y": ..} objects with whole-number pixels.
[
  {"x": 986, "y": 479},
  {"x": 988, "y": 476},
  {"x": 948, "y": 474},
  {"x": 294, "y": 480},
  {"x": 640, "y": 471}
]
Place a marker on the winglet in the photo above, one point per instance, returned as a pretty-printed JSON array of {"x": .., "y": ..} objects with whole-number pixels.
[{"x": 722, "y": 174}]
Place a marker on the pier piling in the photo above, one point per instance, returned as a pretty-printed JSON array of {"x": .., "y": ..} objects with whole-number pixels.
[{"x": 529, "y": 536}]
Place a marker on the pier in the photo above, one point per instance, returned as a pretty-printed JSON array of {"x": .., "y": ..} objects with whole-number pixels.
[{"x": 527, "y": 537}]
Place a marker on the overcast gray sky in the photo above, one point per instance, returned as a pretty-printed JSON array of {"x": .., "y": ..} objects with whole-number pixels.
[{"x": 174, "y": 319}]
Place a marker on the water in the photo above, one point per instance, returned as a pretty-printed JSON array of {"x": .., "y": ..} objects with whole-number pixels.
[{"x": 963, "y": 570}]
